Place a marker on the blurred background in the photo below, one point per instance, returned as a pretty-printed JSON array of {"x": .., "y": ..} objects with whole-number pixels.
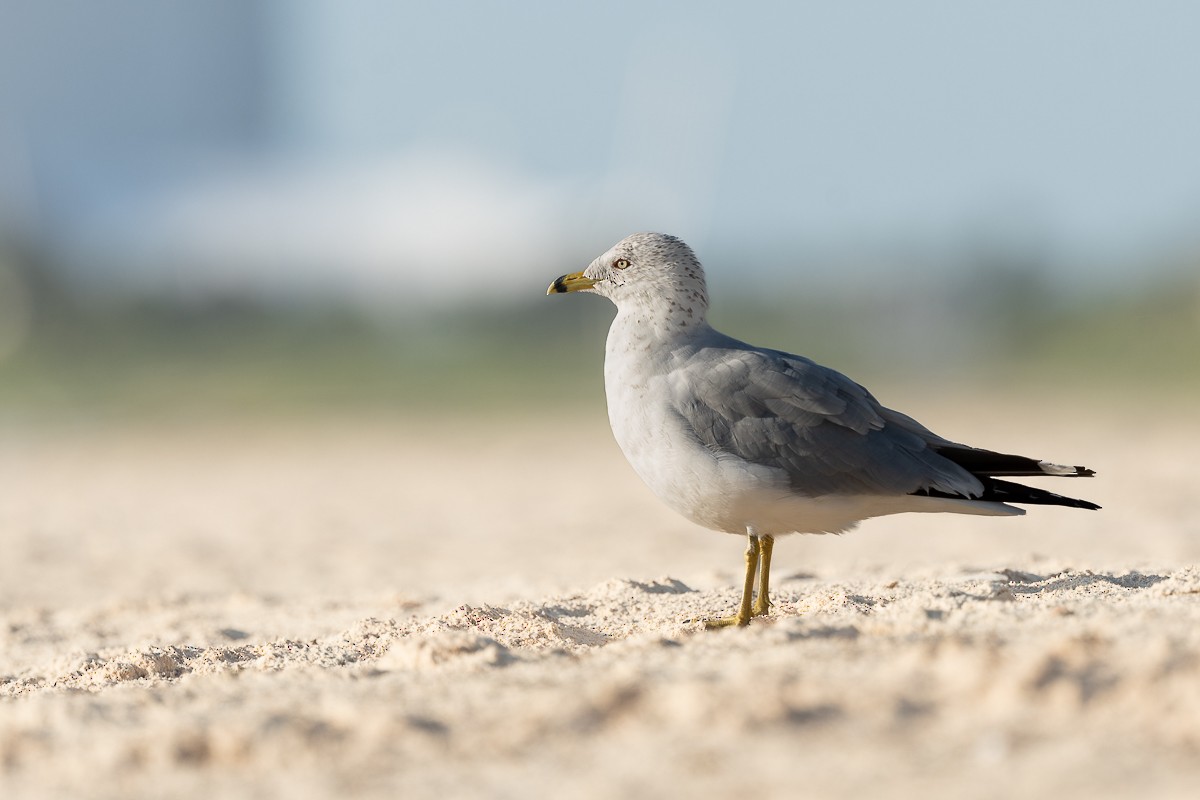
[{"x": 243, "y": 207}]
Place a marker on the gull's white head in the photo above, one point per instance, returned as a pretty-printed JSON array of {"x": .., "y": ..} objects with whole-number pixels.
[{"x": 650, "y": 270}]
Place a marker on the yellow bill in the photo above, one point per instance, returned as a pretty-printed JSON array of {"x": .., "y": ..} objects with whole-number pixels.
[{"x": 575, "y": 282}]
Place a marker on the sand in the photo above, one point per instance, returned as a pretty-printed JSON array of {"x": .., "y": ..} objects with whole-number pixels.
[{"x": 410, "y": 608}]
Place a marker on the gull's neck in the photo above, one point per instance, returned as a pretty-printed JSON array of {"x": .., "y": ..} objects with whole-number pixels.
[{"x": 651, "y": 323}]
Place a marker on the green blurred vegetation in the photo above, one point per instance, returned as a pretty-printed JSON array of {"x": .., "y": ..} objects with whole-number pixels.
[
  {"x": 997, "y": 333},
  {"x": 68, "y": 357}
]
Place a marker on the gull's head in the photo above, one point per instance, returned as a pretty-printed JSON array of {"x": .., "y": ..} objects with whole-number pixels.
[{"x": 647, "y": 269}]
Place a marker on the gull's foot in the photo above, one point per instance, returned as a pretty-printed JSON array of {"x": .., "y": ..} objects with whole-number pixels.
[
  {"x": 738, "y": 620},
  {"x": 762, "y": 607}
]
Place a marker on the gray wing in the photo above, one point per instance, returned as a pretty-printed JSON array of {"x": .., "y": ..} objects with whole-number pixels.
[{"x": 827, "y": 433}]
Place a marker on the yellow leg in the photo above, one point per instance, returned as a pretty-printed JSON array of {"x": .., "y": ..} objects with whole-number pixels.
[
  {"x": 762, "y": 605},
  {"x": 744, "y": 612}
]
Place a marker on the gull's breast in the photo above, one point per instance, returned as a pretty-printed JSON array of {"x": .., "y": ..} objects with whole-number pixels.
[{"x": 714, "y": 489}]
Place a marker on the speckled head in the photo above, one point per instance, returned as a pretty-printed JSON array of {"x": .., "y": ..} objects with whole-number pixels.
[{"x": 645, "y": 269}]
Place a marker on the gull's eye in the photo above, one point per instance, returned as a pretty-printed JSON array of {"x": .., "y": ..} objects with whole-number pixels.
[{"x": 621, "y": 263}]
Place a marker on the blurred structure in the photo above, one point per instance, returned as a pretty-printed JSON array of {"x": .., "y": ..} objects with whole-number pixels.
[{"x": 290, "y": 189}]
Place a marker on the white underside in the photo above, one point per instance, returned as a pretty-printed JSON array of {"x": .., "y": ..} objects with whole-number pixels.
[{"x": 778, "y": 516}]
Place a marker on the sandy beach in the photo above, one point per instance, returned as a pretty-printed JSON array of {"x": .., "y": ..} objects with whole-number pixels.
[{"x": 497, "y": 607}]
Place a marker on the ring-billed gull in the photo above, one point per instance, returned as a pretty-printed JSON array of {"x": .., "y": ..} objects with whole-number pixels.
[{"x": 760, "y": 442}]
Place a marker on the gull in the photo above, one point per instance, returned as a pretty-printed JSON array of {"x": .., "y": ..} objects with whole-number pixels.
[{"x": 762, "y": 443}]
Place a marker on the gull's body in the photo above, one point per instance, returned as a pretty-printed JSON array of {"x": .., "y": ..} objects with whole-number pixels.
[
  {"x": 761, "y": 442},
  {"x": 728, "y": 491}
]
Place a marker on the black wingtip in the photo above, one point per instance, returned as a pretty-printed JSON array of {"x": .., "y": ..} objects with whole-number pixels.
[
  {"x": 1060, "y": 500},
  {"x": 981, "y": 462},
  {"x": 998, "y": 491}
]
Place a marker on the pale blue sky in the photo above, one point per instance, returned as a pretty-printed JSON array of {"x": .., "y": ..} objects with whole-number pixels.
[
  {"x": 823, "y": 118},
  {"x": 214, "y": 131}
]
